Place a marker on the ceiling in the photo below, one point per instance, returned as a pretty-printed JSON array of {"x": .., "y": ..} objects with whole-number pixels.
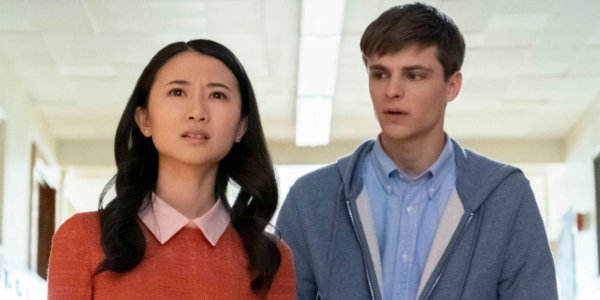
[{"x": 532, "y": 67}]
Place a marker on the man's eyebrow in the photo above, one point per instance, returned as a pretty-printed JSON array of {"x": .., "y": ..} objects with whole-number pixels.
[
  {"x": 417, "y": 68},
  {"x": 377, "y": 67}
]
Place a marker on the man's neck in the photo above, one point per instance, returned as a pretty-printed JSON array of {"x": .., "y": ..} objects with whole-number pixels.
[{"x": 413, "y": 157}]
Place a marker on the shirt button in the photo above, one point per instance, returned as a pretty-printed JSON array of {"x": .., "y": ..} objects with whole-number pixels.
[
  {"x": 388, "y": 189},
  {"x": 409, "y": 210},
  {"x": 405, "y": 257}
]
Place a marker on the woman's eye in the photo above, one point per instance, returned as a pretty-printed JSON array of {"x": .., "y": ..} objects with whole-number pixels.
[
  {"x": 176, "y": 92},
  {"x": 218, "y": 95}
]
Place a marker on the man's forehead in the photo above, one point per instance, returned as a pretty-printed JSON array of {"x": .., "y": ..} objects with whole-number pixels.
[{"x": 406, "y": 56}]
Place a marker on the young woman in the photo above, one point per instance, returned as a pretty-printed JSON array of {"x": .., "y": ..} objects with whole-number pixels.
[{"x": 190, "y": 126}]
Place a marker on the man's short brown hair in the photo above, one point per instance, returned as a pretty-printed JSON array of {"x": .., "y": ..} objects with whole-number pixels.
[{"x": 415, "y": 24}]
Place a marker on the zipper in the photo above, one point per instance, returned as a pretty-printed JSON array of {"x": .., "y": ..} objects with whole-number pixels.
[
  {"x": 362, "y": 248},
  {"x": 439, "y": 275}
]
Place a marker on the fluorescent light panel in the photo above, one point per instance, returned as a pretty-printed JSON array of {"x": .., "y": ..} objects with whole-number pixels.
[
  {"x": 315, "y": 121},
  {"x": 321, "y": 30}
]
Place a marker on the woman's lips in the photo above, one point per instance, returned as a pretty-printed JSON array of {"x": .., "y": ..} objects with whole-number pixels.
[{"x": 195, "y": 136}]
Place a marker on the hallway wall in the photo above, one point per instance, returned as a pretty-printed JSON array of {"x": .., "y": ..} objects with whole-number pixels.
[{"x": 24, "y": 126}]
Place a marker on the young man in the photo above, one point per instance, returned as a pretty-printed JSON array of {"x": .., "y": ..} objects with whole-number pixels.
[{"x": 412, "y": 215}]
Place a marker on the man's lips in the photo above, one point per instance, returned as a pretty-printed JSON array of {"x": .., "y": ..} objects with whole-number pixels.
[{"x": 395, "y": 112}]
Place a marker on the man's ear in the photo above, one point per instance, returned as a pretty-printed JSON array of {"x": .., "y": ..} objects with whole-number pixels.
[
  {"x": 242, "y": 127},
  {"x": 143, "y": 121},
  {"x": 453, "y": 86}
]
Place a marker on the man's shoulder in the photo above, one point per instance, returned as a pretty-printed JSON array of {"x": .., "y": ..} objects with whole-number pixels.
[
  {"x": 470, "y": 162},
  {"x": 334, "y": 174},
  {"x": 322, "y": 178}
]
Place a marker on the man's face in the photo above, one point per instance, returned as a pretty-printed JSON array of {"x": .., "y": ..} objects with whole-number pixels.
[{"x": 409, "y": 94}]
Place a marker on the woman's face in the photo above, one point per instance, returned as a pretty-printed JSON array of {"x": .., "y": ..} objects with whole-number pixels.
[{"x": 194, "y": 111}]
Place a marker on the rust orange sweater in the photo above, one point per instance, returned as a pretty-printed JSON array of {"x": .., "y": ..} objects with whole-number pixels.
[{"x": 186, "y": 267}]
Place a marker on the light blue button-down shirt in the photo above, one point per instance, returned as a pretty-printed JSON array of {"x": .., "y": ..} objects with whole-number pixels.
[{"x": 406, "y": 212}]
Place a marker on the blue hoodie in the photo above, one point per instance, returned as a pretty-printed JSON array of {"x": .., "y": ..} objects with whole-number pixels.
[{"x": 491, "y": 242}]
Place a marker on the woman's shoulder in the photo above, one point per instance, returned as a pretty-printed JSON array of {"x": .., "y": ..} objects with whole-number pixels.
[
  {"x": 284, "y": 247},
  {"x": 85, "y": 223}
]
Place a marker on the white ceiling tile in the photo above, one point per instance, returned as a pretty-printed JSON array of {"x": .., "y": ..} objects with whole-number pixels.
[
  {"x": 345, "y": 127},
  {"x": 514, "y": 39},
  {"x": 15, "y": 16},
  {"x": 514, "y": 23},
  {"x": 117, "y": 16},
  {"x": 352, "y": 90},
  {"x": 99, "y": 90},
  {"x": 282, "y": 17},
  {"x": 527, "y": 73},
  {"x": 87, "y": 70},
  {"x": 193, "y": 26},
  {"x": 76, "y": 48},
  {"x": 359, "y": 14},
  {"x": 282, "y": 56},
  {"x": 480, "y": 89},
  {"x": 127, "y": 48},
  {"x": 587, "y": 63},
  {"x": 533, "y": 88},
  {"x": 61, "y": 16},
  {"x": 249, "y": 20},
  {"x": 28, "y": 47},
  {"x": 544, "y": 60},
  {"x": 475, "y": 39},
  {"x": 43, "y": 81},
  {"x": 578, "y": 92},
  {"x": 525, "y": 7},
  {"x": 249, "y": 49},
  {"x": 494, "y": 62},
  {"x": 184, "y": 8},
  {"x": 470, "y": 15}
]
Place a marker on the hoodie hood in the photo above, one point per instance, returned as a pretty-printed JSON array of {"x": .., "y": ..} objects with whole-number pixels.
[{"x": 476, "y": 176}]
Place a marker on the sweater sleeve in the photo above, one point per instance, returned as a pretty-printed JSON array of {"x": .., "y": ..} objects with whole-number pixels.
[
  {"x": 284, "y": 284},
  {"x": 528, "y": 270},
  {"x": 70, "y": 270}
]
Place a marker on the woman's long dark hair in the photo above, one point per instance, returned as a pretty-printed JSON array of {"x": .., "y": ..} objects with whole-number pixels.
[{"x": 248, "y": 164}]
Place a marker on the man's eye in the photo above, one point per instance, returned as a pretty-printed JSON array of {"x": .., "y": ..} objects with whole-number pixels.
[
  {"x": 176, "y": 92},
  {"x": 415, "y": 76},
  {"x": 378, "y": 75}
]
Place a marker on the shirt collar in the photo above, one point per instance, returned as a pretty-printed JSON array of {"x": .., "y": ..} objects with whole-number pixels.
[
  {"x": 164, "y": 221},
  {"x": 441, "y": 168},
  {"x": 385, "y": 168}
]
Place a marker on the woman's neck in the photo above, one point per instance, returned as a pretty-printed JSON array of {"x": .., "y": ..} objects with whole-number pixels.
[{"x": 188, "y": 189}]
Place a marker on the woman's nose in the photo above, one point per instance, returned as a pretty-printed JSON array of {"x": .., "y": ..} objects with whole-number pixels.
[{"x": 198, "y": 111}]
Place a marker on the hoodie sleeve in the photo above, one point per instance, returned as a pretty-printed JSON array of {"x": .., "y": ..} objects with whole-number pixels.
[
  {"x": 290, "y": 224},
  {"x": 528, "y": 269}
]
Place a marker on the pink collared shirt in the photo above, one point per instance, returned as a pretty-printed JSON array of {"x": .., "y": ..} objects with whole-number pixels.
[{"x": 164, "y": 221}]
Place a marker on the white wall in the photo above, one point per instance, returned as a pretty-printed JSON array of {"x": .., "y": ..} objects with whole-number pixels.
[
  {"x": 583, "y": 145},
  {"x": 24, "y": 126}
]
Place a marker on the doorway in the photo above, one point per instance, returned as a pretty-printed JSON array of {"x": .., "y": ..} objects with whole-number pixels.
[{"x": 43, "y": 215}]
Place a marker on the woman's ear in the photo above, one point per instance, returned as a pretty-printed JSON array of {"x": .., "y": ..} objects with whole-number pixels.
[
  {"x": 142, "y": 120},
  {"x": 241, "y": 130}
]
